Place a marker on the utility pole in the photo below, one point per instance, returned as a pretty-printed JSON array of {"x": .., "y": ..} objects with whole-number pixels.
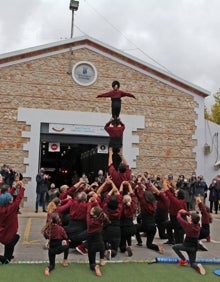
[{"x": 74, "y": 5}]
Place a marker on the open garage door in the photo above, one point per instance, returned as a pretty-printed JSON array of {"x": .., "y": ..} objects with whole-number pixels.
[{"x": 67, "y": 156}]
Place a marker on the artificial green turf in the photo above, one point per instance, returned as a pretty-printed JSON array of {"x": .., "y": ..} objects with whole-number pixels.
[{"x": 112, "y": 272}]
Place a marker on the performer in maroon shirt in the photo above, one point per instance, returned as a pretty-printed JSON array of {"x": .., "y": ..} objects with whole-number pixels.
[
  {"x": 126, "y": 222},
  {"x": 116, "y": 96},
  {"x": 9, "y": 222},
  {"x": 58, "y": 242},
  {"x": 115, "y": 129},
  {"x": 177, "y": 202},
  {"x": 112, "y": 207},
  {"x": 190, "y": 244},
  {"x": 76, "y": 228},
  {"x": 162, "y": 211},
  {"x": 206, "y": 219},
  {"x": 95, "y": 222},
  {"x": 148, "y": 224},
  {"x": 123, "y": 173}
]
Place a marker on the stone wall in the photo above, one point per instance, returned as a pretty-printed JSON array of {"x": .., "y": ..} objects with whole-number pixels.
[{"x": 166, "y": 144}]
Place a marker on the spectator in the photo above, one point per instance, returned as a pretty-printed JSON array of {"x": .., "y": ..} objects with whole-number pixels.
[
  {"x": 41, "y": 190},
  {"x": 53, "y": 192},
  {"x": 200, "y": 189},
  {"x": 213, "y": 196},
  {"x": 100, "y": 179}
]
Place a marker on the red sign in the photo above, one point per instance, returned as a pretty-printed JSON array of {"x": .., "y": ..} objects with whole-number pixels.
[{"x": 54, "y": 147}]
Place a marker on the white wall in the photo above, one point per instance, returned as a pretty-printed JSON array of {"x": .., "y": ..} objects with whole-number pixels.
[{"x": 212, "y": 138}]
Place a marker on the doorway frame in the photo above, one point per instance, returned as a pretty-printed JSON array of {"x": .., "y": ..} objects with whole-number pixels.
[{"x": 35, "y": 117}]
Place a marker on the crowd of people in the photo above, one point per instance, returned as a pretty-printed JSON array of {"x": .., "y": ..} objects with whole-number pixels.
[
  {"x": 100, "y": 218},
  {"x": 103, "y": 216}
]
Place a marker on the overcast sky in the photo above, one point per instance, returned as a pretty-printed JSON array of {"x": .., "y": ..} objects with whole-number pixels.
[{"x": 181, "y": 36}]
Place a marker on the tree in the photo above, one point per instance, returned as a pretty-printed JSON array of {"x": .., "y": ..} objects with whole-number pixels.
[{"x": 214, "y": 116}]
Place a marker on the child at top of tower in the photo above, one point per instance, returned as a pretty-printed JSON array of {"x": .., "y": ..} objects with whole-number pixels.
[{"x": 116, "y": 94}]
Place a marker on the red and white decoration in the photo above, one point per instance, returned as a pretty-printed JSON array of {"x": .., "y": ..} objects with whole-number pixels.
[{"x": 54, "y": 147}]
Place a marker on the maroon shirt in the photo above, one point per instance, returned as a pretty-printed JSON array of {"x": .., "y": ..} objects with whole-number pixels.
[
  {"x": 147, "y": 208},
  {"x": 78, "y": 210},
  {"x": 116, "y": 94},
  {"x": 118, "y": 177},
  {"x": 115, "y": 131},
  {"x": 192, "y": 230},
  {"x": 56, "y": 232},
  {"x": 116, "y": 214},
  {"x": 9, "y": 219},
  {"x": 175, "y": 203},
  {"x": 94, "y": 224},
  {"x": 205, "y": 215},
  {"x": 129, "y": 211},
  {"x": 163, "y": 202}
]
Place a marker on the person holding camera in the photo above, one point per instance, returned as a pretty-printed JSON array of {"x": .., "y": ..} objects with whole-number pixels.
[{"x": 41, "y": 189}]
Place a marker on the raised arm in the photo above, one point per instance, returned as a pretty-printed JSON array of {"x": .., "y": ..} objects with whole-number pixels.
[
  {"x": 110, "y": 153},
  {"x": 107, "y": 94},
  {"x": 122, "y": 157},
  {"x": 126, "y": 94}
]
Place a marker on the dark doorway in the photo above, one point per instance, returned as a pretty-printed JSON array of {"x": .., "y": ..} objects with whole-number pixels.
[{"x": 71, "y": 162}]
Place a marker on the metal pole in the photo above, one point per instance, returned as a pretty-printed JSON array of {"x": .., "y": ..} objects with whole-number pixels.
[
  {"x": 74, "y": 7},
  {"x": 69, "y": 71},
  {"x": 72, "y": 25}
]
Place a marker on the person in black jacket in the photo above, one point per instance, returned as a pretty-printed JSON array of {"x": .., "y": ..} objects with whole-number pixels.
[
  {"x": 213, "y": 196},
  {"x": 41, "y": 190}
]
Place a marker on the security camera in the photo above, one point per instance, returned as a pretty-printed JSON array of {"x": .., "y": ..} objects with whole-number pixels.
[{"x": 217, "y": 163}]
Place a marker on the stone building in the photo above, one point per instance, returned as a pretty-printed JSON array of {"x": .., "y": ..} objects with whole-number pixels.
[{"x": 52, "y": 118}]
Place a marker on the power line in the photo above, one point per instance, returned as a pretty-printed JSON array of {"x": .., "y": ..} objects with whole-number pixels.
[{"x": 137, "y": 48}]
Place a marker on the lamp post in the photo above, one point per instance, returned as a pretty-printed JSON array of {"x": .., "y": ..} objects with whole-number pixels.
[{"x": 74, "y": 5}]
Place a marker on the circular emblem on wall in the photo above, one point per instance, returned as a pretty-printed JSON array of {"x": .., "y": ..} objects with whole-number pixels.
[{"x": 84, "y": 73}]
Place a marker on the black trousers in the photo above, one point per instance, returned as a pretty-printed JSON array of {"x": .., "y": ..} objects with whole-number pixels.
[
  {"x": 128, "y": 230},
  {"x": 178, "y": 230},
  {"x": 76, "y": 231},
  {"x": 55, "y": 250},
  {"x": 116, "y": 107},
  {"x": 204, "y": 231},
  {"x": 190, "y": 250},
  {"x": 95, "y": 244},
  {"x": 112, "y": 236},
  {"x": 9, "y": 250},
  {"x": 215, "y": 204},
  {"x": 161, "y": 217},
  {"x": 150, "y": 230}
]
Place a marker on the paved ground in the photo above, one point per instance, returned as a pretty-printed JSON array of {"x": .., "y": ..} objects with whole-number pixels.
[{"x": 30, "y": 247}]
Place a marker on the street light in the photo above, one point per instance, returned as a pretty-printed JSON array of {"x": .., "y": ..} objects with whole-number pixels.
[{"x": 74, "y": 5}]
